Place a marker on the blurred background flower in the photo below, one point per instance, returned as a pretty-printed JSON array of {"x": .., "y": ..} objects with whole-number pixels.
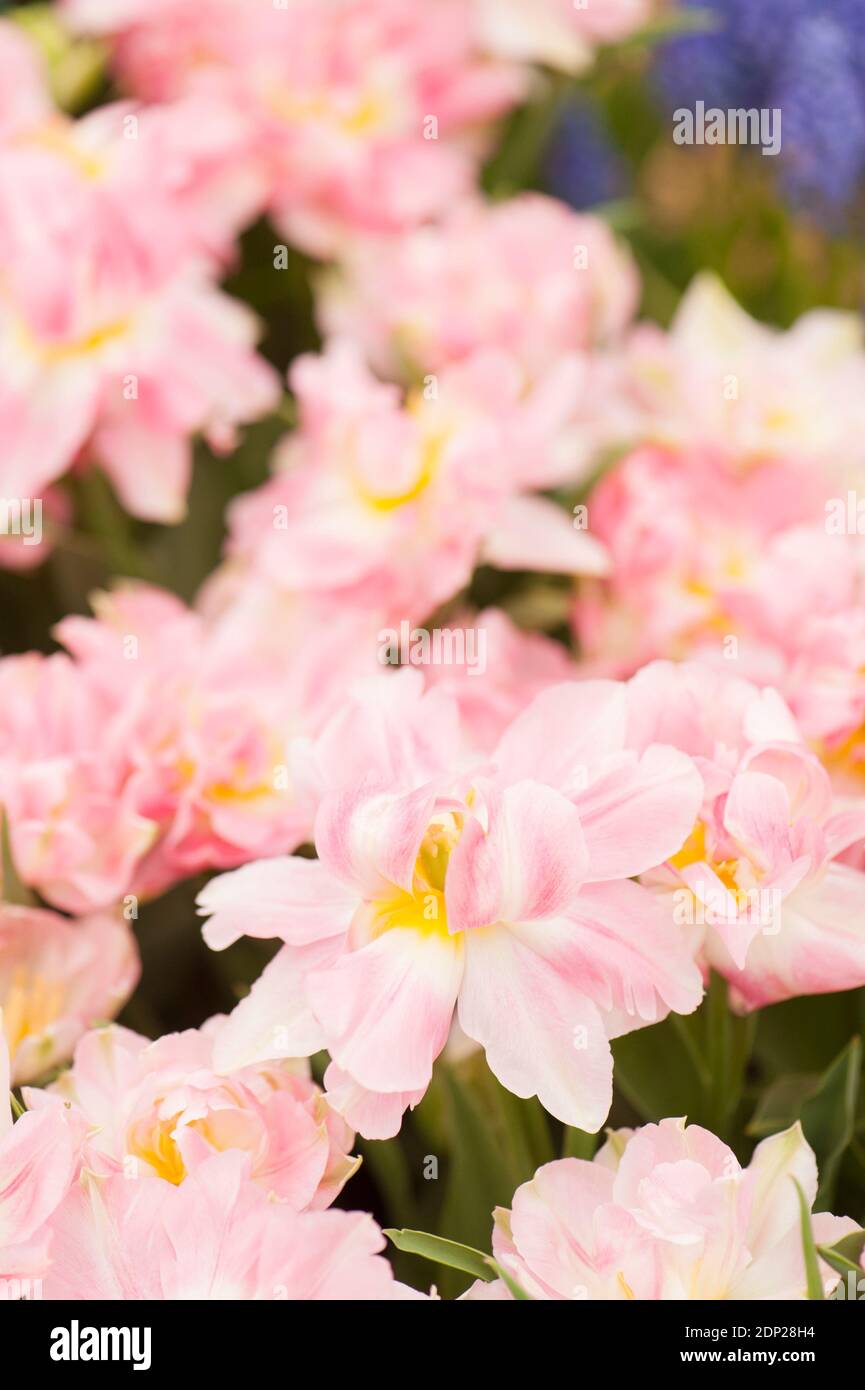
[{"x": 806, "y": 60}]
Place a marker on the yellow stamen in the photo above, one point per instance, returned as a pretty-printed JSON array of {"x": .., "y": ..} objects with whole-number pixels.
[
  {"x": 424, "y": 908},
  {"x": 153, "y": 1142},
  {"x": 31, "y": 1007}
]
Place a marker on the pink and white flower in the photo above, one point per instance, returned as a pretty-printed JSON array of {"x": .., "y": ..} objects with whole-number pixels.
[
  {"x": 558, "y": 33},
  {"x": 528, "y": 276},
  {"x": 730, "y": 522},
  {"x": 365, "y": 113},
  {"x": 75, "y": 833},
  {"x": 549, "y": 288},
  {"x": 57, "y": 979},
  {"x": 665, "y": 1212},
  {"x": 115, "y": 345},
  {"x": 759, "y": 876},
  {"x": 38, "y": 1160},
  {"x": 160, "y": 1109},
  {"x": 700, "y": 556},
  {"x": 161, "y": 749},
  {"x": 216, "y": 1236},
  {"x": 502, "y": 891},
  {"x": 502, "y": 669},
  {"x": 387, "y": 503},
  {"x": 720, "y": 381}
]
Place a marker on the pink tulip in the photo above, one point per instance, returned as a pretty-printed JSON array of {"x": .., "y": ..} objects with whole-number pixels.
[
  {"x": 502, "y": 891},
  {"x": 161, "y": 1108},
  {"x": 365, "y": 113},
  {"x": 665, "y": 1212},
  {"x": 38, "y": 1158},
  {"x": 216, "y": 1236},
  {"x": 115, "y": 345},
  {"x": 386, "y": 504},
  {"x": 759, "y": 877},
  {"x": 162, "y": 748},
  {"x": 57, "y": 979},
  {"x": 543, "y": 284}
]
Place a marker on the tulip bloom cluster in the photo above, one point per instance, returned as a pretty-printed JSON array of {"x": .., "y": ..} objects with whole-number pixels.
[{"x": 561, "y": 827}]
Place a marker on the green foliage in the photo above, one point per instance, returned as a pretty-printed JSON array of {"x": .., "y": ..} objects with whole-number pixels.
[
  {"x": 827, "y": 1107},
  {"x": 809, "y": 1250}
]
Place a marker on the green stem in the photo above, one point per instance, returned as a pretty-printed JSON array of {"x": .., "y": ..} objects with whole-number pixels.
[
  {"x": 515, "y": 163},
  {"x": 717, "y": 1051},
  {"x": 729, "y": 1042},
  {"x": 682, "y": 1028},
  {"x": 528, "y": 1130},
  {"x": 106, "y": 521},
  {"x": 576, "y": 1143},
  {"x": 12, "y": 889},
  {"x": 387, "y": 1163}
]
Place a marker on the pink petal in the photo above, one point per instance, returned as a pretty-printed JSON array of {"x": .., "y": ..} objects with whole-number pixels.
[
  {"x": 371, "y": 839},
  {"x": 819, "y": 947},
  {"x": 292, "y": 898},
  {"x": 566, "y": 728},
  {"x": 529, "y": 863},
  {"x": 374, "y": 1114},
  {"x": 639, "y": 812},
  {"x": 757, "y": 815},
  {"x": 532, "y": 533},
  {"x": 386, "y": 1009},
  {"x": 274, "y": 1020},
  {"x": 636, "y": 960},
  {"x": 523, "y": 999}
]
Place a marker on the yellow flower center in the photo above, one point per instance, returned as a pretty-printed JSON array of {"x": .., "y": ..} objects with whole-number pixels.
[
  {"x": 57, "y": 137},
  {"x": 31, "y": 1006},
  {"x": 54, "y": 353},
  {"x": 423, "y": 909},
  {"x": 364, "y": 114},
  {"x": 694, "y": 851},
  {"x": 152, "y": 1141},
  {"x": 846, "y": 760}
]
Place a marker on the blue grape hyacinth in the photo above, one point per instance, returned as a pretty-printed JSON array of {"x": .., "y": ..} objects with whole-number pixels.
[
  {"x": 582, "y": 165},
  {"x": 804, "y": 57}
]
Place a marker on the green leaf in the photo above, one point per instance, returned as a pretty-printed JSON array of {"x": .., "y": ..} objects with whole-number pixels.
[
  {"x": 620, "y": 214},
  {"x": 526, "y": 136},
  {"x": 806, "y": 1034},
  {"x": 660, "y": 1072},
  {"x": 75, "y": 66},
  {"x": 443, "y": 1252},
  {"x": 487, "y": 1161},
  {"x": 829, "y": 1117},
  {"x": 388, "y": 1164},
  {"x": 845, "y": 1254},
  {"x": 676, "y": 25},
  {"x": 577, "y": 1143},
  {"x": 528, "y": 1131},
  {"x": 513, "y": 1287},
  {"x": 809, "y": 1250},
  {"x": 781, "y": 1104},
  {"x": 12, "y": 890},
  {"x": 826, "y": 1106}
]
